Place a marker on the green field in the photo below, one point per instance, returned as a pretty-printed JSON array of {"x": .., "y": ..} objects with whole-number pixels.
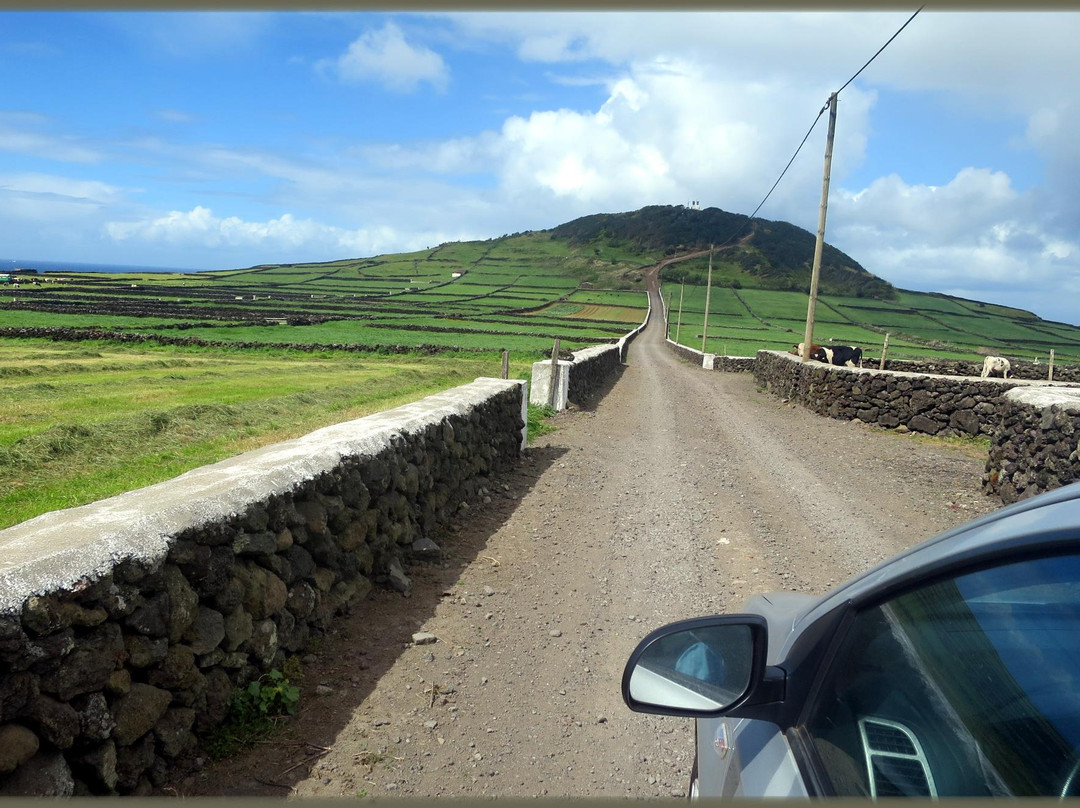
[
  {"x": 463, "y": 296},
  {"x": 744, "y": 321},
  {"x": 161, "y": 373},
  {"x": 83, "y": 421}
]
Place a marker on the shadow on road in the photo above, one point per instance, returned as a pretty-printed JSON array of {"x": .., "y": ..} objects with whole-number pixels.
[
  {"x": 361, "y": 647},
  {"x": 590, "y": 403}
]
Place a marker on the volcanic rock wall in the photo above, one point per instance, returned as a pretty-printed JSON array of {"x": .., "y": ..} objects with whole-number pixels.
[
  {"x": 126, "y": 623},
  {"x": 579, "y": 378},
  {"x": 1035, "y": 445},
  {"x": 935, "y": 405},
  {"x": 957, "y": 367}
]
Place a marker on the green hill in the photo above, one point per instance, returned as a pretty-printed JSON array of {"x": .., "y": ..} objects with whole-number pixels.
[{"x": 755, "y": 253}]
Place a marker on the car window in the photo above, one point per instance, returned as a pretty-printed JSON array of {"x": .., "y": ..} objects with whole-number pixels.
[{"x": 966, "y": 687}]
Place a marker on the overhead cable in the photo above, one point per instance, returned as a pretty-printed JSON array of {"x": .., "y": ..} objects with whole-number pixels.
[
  {"x": 883, "y": 47},
  {"x": 818, "y": 118}
]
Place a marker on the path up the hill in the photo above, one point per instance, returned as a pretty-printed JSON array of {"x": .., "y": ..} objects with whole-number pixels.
[{"x": 679, "y": 494}]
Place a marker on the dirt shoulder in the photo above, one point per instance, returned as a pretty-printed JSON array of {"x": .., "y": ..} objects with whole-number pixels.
[{"x": 679, "y": 494}]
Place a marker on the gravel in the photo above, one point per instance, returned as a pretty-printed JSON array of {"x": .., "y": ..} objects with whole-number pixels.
[{"x": 680, "y": 493}]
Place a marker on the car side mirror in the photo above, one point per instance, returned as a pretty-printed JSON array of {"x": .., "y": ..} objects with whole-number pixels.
[{"x": 702, "y": 667}]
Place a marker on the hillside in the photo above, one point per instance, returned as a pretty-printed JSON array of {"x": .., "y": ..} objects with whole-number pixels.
[
  {"x": 581, "y": 282},
  {"x": 756, "y": 253}
]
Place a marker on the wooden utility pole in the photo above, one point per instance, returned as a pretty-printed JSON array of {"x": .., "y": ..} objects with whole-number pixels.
[
  {"x": 678, "y": 322},
  {"x": 820, "y": 244},
  {"x": 708, "y": 294}
]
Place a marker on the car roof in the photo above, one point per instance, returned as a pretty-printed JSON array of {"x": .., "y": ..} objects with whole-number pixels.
[{"x": 1049, "y": 520}]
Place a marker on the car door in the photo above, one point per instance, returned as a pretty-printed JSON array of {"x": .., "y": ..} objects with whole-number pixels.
[{"x": 965, "y": 685}]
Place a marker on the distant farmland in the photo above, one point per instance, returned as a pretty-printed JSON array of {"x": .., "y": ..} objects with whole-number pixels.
[
  {"x": 112, "y": 382},
  {"x": 517, "y": 293},
  {"x": 157, "y": 374},
  {"x": 744, "y": 321}
]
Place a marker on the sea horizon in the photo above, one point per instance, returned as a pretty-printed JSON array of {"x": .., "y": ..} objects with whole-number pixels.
[{"x": 11, "y": 264}]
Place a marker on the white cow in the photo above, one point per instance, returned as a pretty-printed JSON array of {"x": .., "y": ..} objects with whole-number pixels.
[{"x": 996, "y": 365}]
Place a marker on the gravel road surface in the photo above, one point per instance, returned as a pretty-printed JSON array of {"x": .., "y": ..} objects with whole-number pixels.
[{"x": 679, "y": 493}]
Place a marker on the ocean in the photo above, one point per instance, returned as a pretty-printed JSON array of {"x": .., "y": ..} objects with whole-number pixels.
[{"x": 7, "y": 264}]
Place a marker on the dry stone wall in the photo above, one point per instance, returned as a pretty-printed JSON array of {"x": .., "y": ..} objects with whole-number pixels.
[
  {"x": 949, "y": 367},
  {"x": 125, "y": 624},
  {"x": 935, "y": 405},
  {"x": 581, "y": 376},
  {"x": 1034, "y": 429},
  {"x": 683, "y": 352},
  {"x": 1036, "y": 446}
]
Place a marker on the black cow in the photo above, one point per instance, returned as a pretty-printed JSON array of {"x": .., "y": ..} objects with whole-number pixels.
[{"x": 839, "y": 355}]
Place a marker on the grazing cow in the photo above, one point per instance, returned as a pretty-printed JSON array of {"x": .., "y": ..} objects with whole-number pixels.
[
  {"x": 996, "y": 365},
  {"x": 797, "y": 349},
  {"x": 839, "y": 355}
]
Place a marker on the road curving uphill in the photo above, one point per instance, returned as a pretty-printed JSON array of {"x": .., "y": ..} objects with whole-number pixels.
[{"x": 680, "y": 493}]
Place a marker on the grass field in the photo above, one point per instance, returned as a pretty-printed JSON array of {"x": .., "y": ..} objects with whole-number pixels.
[
  {"x": 469, "y": 295},
  {"x": 744, "y": 321},
  {"x": 83, "y": 421}
]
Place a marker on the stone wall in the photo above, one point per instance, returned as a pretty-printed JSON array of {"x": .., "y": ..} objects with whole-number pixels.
[
  {"x": 730, "y": 364},
  {"x": 953, "y": 367},
  {"x": 126, "y": 623},
  {"x": 579, "y": 378},
  {"x": 935, "y": 405},
  {"x": 1035, "y": 446},
  {"x": 689, "y": 354},
  {"x": 734, "y": 364},
  {"x": 590, "y": 368}
]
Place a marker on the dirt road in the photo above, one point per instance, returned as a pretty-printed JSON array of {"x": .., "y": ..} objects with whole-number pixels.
[{"x": 680, "y": 494}]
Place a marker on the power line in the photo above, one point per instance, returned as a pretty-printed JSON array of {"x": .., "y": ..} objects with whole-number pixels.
[
  {"x": 818, "y": 118},
  {"x": 782, "y": 173},
  {"x": 883, "y": 47}
]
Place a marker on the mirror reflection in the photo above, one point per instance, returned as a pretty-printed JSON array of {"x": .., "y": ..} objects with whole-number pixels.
[{"x": 705, "y": 668}]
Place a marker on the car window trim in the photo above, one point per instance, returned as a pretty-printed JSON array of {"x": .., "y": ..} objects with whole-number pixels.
[{"x": 800, "y": 739}]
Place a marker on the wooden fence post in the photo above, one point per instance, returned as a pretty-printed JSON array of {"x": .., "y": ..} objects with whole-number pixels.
[
  {"x": 506, "y": 364},
  {"x": 884, "y": 349},
  {"x": 554, "y": 374},
  {"x": 678, "y": 323},
  {"x": 1050, "y": 378}
]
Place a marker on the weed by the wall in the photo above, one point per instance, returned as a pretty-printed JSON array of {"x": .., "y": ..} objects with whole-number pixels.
[
  {"x": 253, "y": 713},
  {"x": 538, "y": 423}
]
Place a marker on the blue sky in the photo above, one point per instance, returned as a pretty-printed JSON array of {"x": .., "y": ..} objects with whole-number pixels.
[{"x": 227, "y": 139}]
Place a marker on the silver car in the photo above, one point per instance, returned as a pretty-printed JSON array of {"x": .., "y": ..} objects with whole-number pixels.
[{"x": 952, "y": 669}]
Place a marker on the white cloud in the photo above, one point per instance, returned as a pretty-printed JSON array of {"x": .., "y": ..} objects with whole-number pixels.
[
  {"x": 975, "y": 200},
  {"x": 44, "y": 197},
  {"x": 41, "y": 214},
  {"x": 200, "y": 228},
  {"x": 976, "y": 232},
  {"x": 19, "y": 135},
  {"x": 669, "y": 131},
  {"x": 385, "y": 56}
]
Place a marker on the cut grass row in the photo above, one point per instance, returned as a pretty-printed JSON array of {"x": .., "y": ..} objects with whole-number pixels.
[{"x": 80, "y": 422}]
